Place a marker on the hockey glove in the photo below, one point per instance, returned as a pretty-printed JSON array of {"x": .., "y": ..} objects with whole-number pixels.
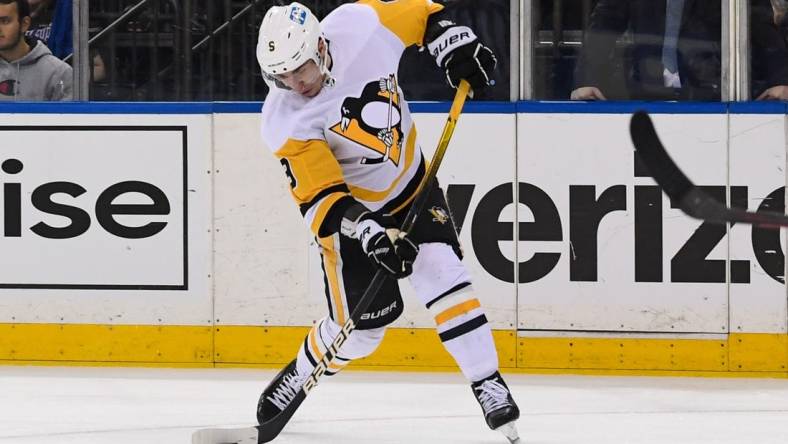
[
  {"x": 459, "y": 52},
  {"x": 388, "y": 248}
]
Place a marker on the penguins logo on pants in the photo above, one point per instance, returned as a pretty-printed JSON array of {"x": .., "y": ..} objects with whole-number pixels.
[{"x": 439, "y": 215}]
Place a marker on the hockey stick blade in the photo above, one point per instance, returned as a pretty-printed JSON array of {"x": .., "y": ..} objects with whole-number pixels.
[
  {"x": 691, "y": 199},
  {"x": 246, "y": 435},
  {"x": 270, "y": 429},
  {"x": 258, "y": 434}
]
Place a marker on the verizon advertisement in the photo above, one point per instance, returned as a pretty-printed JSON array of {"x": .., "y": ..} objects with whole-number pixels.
[
  {"x": 602, "y": 248},
  {"x": 94, "y": 207}
]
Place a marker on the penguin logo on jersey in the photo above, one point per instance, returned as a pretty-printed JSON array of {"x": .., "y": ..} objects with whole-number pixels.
[{"x": 374, "y": 121}]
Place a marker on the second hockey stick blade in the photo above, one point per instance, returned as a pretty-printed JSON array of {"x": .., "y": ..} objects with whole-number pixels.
[{"x": 691, "y": 199}]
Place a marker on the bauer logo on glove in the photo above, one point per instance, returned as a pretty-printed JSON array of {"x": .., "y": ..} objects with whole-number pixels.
[
  {"x": 450, "y": 41},
  {"x": 458, "y": 51}
]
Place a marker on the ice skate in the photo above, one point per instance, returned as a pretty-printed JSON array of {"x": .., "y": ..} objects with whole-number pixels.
[
  {"x": 500, "y": 410},
  {"x": 279, "y": 393}
]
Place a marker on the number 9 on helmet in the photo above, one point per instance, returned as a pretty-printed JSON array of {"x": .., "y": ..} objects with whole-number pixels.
[{"x": 289, "y": 37}]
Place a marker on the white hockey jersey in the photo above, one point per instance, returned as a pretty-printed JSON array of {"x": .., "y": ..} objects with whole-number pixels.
[{"x": 355, "y": 138}]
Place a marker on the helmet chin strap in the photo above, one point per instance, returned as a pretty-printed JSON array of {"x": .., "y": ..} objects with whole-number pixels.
[{"x": 328, "y": 80}]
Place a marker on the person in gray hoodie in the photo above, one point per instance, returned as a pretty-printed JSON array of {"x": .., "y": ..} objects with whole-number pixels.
[{"x": 28, "y": 70}]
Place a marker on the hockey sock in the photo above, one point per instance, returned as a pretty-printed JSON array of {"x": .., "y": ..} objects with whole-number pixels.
[
  {"x": 361, "y": 343},
  {"x": 465, "y": 332},
  {"x": 443, "y": 284},
  {"x": 314, "y": 347}
]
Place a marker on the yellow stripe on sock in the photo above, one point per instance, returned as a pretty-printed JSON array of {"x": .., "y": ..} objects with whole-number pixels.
[
  {"x": 316, "y": 349},
  {"x": 457, "y": 310}
]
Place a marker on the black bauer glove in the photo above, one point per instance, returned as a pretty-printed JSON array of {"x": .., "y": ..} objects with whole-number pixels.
[
  {"x": 388, "y": 248},
  {"x": 459, "y": 52}
]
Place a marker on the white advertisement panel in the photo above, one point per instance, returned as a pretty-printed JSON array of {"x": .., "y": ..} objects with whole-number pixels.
[
  {"x": 105, "y": 218},
  {"x": 120, "y": 205},
  {"x": 757, "y": 179},
  {"x": 262, "y": 242},
  {"x": 110, "y": 219},
  {"x": 601, "y": 249}
]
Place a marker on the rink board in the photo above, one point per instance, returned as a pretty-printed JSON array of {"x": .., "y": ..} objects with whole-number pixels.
[
  {"x": 605, "y": 275},
  {"x": 612, "y": 271},
  {"x": 74, "y": 251}
]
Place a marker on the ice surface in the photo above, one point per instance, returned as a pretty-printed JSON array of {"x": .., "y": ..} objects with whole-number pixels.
[{"x": 67, "y": 405}]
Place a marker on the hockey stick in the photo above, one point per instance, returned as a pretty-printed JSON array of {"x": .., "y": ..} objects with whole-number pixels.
[
  {"x": 691, "y": 199},
  {"x": 270, "y": 429}
]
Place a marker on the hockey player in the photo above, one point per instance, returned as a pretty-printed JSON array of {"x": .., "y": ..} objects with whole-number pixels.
[{"x": 337, "y": 121}]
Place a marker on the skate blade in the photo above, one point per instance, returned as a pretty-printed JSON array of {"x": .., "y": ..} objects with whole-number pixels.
[
  {"x": 509, "y": 430},
  {"x": 245, "y": 435}
]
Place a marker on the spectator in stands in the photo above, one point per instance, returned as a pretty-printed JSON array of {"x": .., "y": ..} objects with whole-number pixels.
[
  {"x": 52, "y": 24},
  {"x": 28, "y": 70},
  {"x": 676, "y": 53},
  {"x": 99, "y": 71},
  {"x": 781, "y": 17},
  {"x": 780, "y": 8},
  {"x": 40, "y": 19},
  {"x": 769, "y": 50}
]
